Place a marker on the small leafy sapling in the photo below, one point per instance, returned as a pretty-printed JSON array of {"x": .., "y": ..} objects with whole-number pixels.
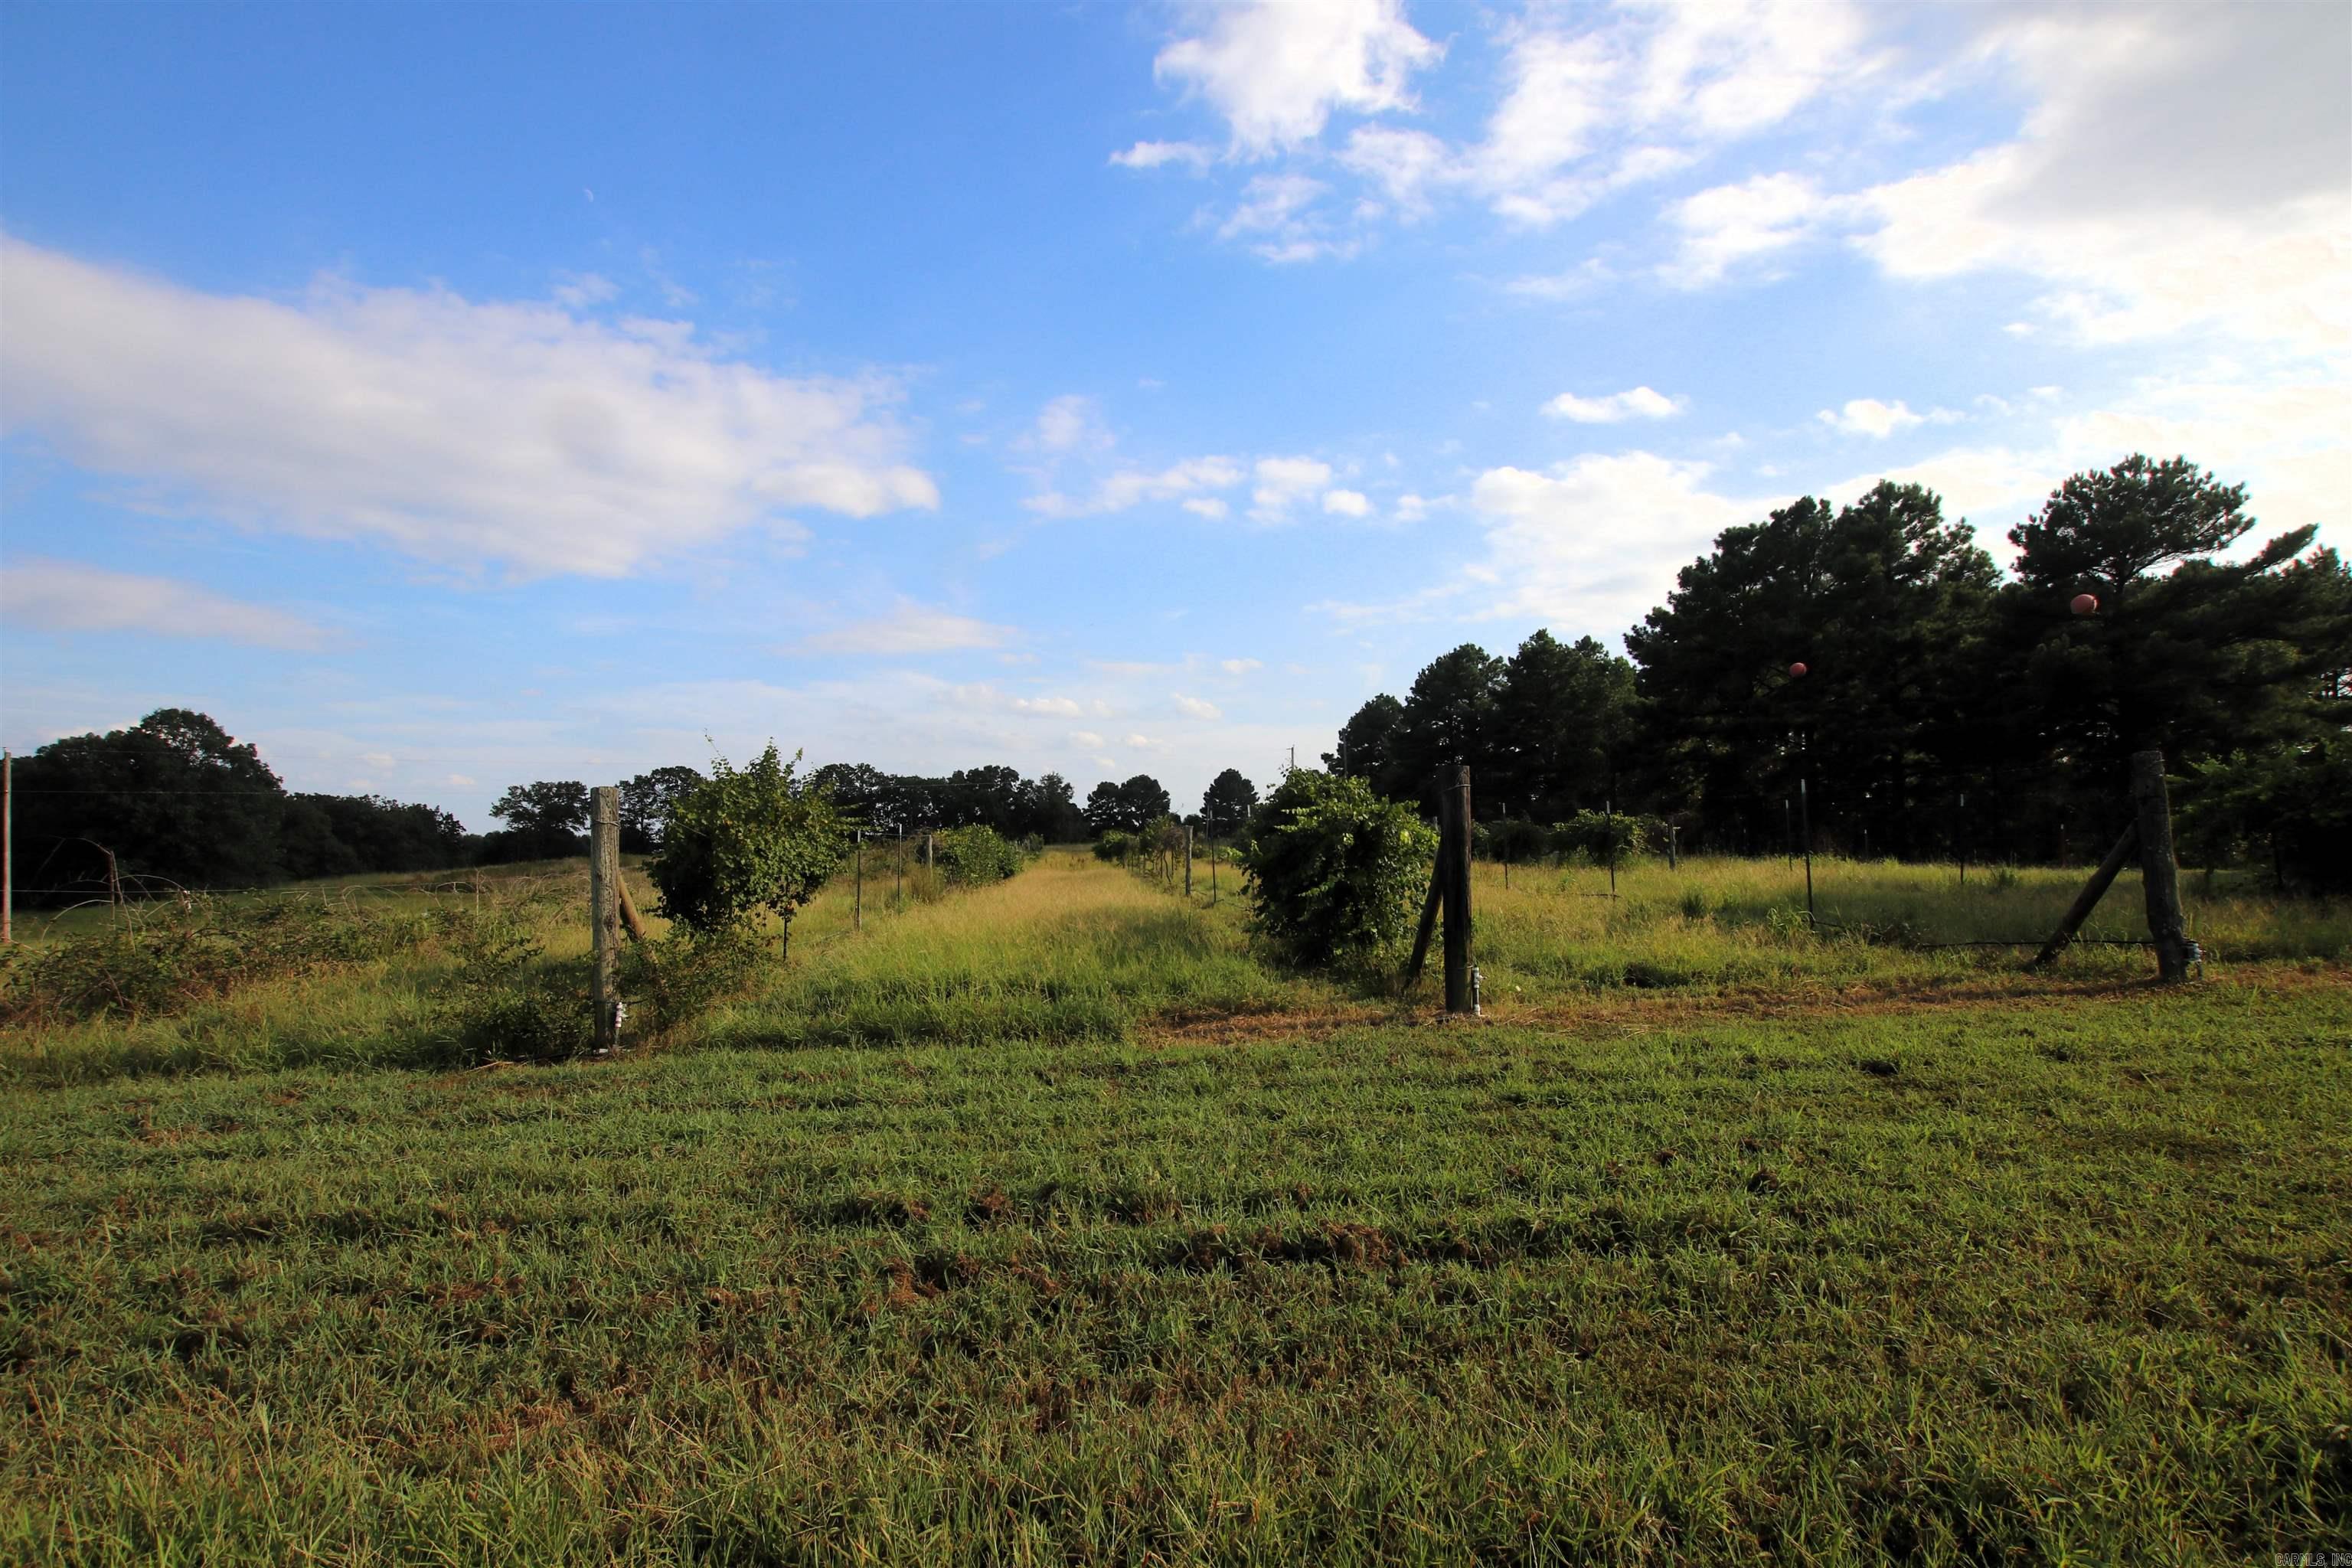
[{"x": 744, "y": 840}]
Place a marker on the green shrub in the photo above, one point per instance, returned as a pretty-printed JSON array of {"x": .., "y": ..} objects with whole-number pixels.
[
  {"x": 1114, "y": 847},
  {"x": 976, "y": 856},
  {"x": 1514, "y": 839},
  {"x": 158, "y": 958},
  {"x": 1336, "y": 872},
  {"x": 1600, "y": 836},
  {"x": 509, "y": 1003},
  {"x": 744, "y": 840}
]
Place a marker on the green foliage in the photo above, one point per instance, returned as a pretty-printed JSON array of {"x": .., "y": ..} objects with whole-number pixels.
[
  {"x": 1599, "y": 836},
  {"x": 2289, "y": 804},
  {"x": 1115, "y": 846},
  {"x": 976, "y": 856},
  {"x": 744, "y": 840},
  {"x": 507, "y": 1003},
  {"x": 1335, "y": 873},
  {"x": 1514, "y": 839},
  {"x": 152, "y": 959}
]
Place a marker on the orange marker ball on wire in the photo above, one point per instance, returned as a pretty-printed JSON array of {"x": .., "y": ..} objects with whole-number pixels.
[
  {"x": 2086, "y": 603},
  {"x": 1796, "y": 672}
]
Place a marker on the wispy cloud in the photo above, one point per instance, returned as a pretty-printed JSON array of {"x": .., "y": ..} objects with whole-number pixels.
[
  {"x": 67, "y": 596},
  {"x": 911, "y": 628}
]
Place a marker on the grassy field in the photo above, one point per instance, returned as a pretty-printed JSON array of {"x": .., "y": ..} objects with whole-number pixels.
[{"x": 1047, "y": 1223}]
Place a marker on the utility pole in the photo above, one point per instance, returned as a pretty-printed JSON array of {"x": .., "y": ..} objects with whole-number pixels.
[{"x": 7, "y": 848}]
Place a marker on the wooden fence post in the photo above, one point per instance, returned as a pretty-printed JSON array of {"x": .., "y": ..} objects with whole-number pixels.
[
  {"x": 1187, "y": 862},
  {"x": 858, "y": 901},
  {"x": 2088, "y": 898},
  {"x": 605, "y": 909},
  {"x": 1805, "y": 814},
  {"x": 2159, "y": 876},
  {"x": 1454, "y": 823},
  {"x": 7, "y": 849}
]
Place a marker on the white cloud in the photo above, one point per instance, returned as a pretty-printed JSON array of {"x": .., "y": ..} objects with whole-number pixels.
[
  {"x": 1589, "y": 544},
  {"x": 1137, "y": 743},
  {"x": 1639, "y": 403},
  {"x": 1410, "y": 507},
  {"x": 580, "y": 290},
  {"x": 65, "y": 596},
  {"x": 1407, "y": 165},
  {"x": 1728, "y": 225},
  {"x": 2179, "y": 166},
  {"x": 1276, "y": 71},
  {"x": 1276, "y": 212},
  {"x": 1347, "y": 503},
  {"x": 1282, "y": 482},
  {"x": 1129, "y": 486},
  {"x": 1059, "y": 707},
  {"x": 1196, "y": 707},
  {"x": 1087, "y": 738},
  {"x": 1240, "y": 666},
  {"x": 1068, "y": 423},
  {"x": 2279, "y": 433},
  {"x": 457, "y": 432},
  {"x": 1154, "y": 155},
  {"x": 1868, "y": 416},
  {"x": 1207, "y": 506},
  {"x": 910, "y": 629},
  {"x": 460, "y": 781}
]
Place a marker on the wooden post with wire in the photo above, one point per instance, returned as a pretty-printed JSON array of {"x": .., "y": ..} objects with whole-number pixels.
[
  {"x": 605, "y": 910},
  {"x": 2160, "y": 874},
  {"x": 1187, "y": 862},
  {"x": 2088, "y": 898},
  {"x": 1805, "y": 818},
  {"x": 857, "y": 900},
  {"x": 2148, "y": 839},
  {"x": 1454, "y": 823}
]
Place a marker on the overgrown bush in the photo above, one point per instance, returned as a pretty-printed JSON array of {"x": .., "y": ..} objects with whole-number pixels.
[
  {"x": 1600, "y": 837},
  {"x": 746, "y": 839},
  {"x": 1114, "y": 847},
  {"x": 160, "y": 957},
  {"x": 1336, "y": 872},
  {"x": 509, "y": 1003},
  {"x": 976, "y": 856},
  {"x": 1514, "y": 839}
]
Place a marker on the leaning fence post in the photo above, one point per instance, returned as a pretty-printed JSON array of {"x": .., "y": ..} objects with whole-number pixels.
[
  {"x": 2159, "y": 876},
  {"x": 1805, "y": 811},
  {"x": 2088, "y": 898},
  {"x": 1455, "y": 823},
  {"x": 605, "y": 909}
]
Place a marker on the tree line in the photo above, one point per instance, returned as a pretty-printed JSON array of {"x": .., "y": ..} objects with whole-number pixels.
[
  {"x": 176, "y": 799},
  {"x": 1926, "y": 703}
]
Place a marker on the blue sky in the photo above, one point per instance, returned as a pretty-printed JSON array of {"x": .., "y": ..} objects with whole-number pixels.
[{"x": 446, "y": 396}]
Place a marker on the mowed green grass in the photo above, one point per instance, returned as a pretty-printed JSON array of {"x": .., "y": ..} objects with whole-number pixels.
[
  {"x": 2028, "y": 1280},
  {"x": 1049, "y": 1223}
]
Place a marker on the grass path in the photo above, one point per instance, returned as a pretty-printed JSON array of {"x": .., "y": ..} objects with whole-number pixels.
[{"x": 2006, "y": 1281}]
